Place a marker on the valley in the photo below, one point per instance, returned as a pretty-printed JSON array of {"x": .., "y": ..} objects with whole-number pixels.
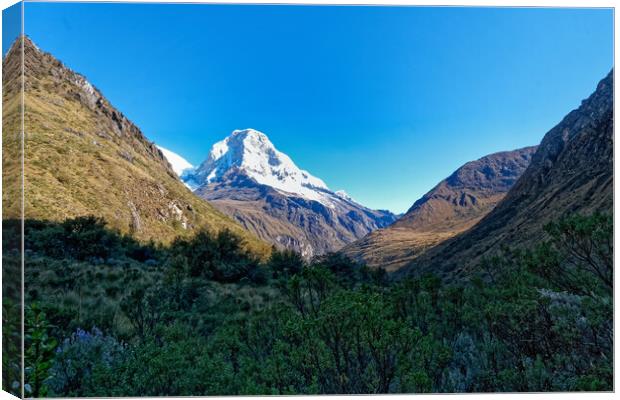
[{"x": 146, "y": 275}]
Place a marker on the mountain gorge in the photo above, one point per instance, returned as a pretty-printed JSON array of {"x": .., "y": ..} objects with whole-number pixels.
[
  {"x": 247, "y": 178},
  {"x": 570, "y": 172},
  {"x": 451, "y": 207},
  {"x": 84, "y": 157}
]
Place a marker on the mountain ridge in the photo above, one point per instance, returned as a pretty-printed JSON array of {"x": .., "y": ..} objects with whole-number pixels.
[
  {"x": 79, "y": 147},
  {"x": 450, "y": 207},
  {"x": 571, "y": 172}
]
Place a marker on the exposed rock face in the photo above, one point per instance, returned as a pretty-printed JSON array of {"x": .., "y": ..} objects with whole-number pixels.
[
  {"x": 451, "y": 207},
  {"x": 571, "y": 172},
  {"x": 246, "y": 177},
  {"x": 83, "y": 156}
]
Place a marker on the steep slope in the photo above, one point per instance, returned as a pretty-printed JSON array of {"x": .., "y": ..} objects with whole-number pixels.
[
  {"x": 572, "y": 171},
  {"x": 82, "y": 156},
  {"x": 179, "y": 164},
  {"x": 11, "y": 132},
  {"x": 451, "y": 207},
  {"x": 246, "y": 177}
]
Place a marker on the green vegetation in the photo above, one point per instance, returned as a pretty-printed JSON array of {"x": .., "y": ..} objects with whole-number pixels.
[{"x": 109, "y": 316}]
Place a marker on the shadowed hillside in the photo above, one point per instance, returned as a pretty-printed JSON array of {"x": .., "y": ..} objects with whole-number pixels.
[
  {"x": 571, "y": 172},
  {"x": 451, "y": 207}
]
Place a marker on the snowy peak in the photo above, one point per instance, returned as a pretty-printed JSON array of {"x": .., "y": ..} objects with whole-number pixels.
[{"x": 251, "y": 152}]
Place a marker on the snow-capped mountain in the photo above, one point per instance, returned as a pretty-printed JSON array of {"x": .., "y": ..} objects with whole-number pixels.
[
  {"x": 253, "y": 153},
  {"x": 246, "y": 177}
]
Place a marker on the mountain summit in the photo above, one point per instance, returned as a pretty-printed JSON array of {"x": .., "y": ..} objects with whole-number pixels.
[
  {"x": 253, "y": 153},
  {"x": 246, "y": 177}
]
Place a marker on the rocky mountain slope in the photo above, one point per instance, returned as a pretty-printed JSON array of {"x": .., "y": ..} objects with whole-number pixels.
[
  {"x": 83, "y": 156},
  {"x": 454, "y": 205},
  {"x": 571, "y": 172},
  {"x": 246, "y": 177}
]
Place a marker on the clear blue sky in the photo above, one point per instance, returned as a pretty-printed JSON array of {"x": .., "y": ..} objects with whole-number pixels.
[
  {"x": 383, "y": 102},
  {"x": 11, "y": 25}
]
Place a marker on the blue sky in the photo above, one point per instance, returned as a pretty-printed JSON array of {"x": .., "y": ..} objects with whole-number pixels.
[
  {"x": 383, "y": 102},
  {"x": 11, "y": 25}
]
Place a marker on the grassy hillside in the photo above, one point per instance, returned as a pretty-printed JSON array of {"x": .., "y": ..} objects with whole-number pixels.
[
  {"x": 11, "y": 134},
  {"x": 82, "y": 156}
]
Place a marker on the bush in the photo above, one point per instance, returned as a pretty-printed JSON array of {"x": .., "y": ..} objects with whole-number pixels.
[
  {"x": 220, "y": 256},
  {"x": 285, "y": 263},
  {"x": 82, "y": 360}
]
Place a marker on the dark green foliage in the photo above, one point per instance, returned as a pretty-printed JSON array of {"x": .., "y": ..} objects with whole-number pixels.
[
  {"x": 82, "y": 239},
  {"x": 220, "y": 257},
  {"x": 579, "y": 258},
  {"x": 11, "y": 346},
  {"x": 11, "y": 308},
  {"x": 39, "y": 353},
  {"x": 345, "y": 270},
  {"x": 143, "y": 308},
  {"x": 203, "y": 317},
  {"x": 285, "y": 263}
]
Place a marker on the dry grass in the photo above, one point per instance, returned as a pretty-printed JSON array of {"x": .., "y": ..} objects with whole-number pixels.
[{"x": 80, "y": 160}]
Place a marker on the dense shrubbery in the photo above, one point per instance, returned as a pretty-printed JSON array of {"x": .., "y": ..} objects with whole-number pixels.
[
  {"x": 11, "y": 307},
  {"x": 83, "y": 239},
  {"x": 109, "y": 316},
  {"x": 219, "y": 257}
]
